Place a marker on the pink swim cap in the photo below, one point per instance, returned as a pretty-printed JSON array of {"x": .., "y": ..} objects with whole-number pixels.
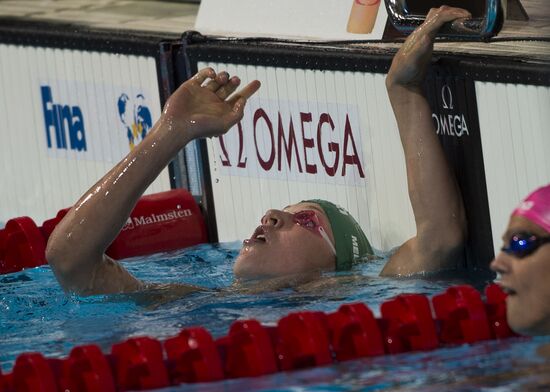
[{"x": 536, "y": 207}]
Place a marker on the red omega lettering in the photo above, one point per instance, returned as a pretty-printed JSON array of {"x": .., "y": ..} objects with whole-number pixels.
[
  {"x": 288, "y": 147},
  {"x": 308, "y": 143},
  {"x": 332, "y": 146},
  {"x": 265, "y": 164},
  {"x": 354, "y": 158}
]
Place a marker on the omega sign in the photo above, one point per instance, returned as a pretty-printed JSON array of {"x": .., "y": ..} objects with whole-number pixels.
[
  {"x": 449, "y": 122},
  {"x": 294, "y": 141}
]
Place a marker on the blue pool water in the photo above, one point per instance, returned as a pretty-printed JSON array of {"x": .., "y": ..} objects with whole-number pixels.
[{"x": 35, "y": 315}]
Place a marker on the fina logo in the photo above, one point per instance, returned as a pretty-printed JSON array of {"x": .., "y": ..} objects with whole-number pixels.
[
  {"x": 64, "y": 119},
  {"x": 135, "y": 117}
]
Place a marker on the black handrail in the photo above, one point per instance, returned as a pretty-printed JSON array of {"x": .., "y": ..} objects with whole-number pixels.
[{"x": 476, "y": 27}]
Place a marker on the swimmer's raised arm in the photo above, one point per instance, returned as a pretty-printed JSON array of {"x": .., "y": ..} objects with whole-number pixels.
[
  {"x": 435, "y": 197},
  {"x": 76, "y": 249}
]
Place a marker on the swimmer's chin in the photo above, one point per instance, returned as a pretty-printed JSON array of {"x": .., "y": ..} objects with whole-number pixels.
[
  {"x": 250, "y": 267},
  {"x": 244, "y": 266},
  {"x": 240, "y": 272}
]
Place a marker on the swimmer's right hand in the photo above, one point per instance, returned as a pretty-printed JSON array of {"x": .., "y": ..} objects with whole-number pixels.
[
  {"x": 198, "y": 109},
  {"x": 410, "y": 64}
]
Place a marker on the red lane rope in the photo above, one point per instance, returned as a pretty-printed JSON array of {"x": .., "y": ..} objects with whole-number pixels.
[
  {"x": 408, "y": 322},
  {"x": 158, "y": 223}
]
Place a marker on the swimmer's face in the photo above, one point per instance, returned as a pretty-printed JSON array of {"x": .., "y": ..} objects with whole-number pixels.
[
  {"x": 280, "y": 246},
  {"x": 527, "y": 281}
]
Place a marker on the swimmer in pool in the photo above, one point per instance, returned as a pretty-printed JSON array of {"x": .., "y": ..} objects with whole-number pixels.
[
  {"x": 300, "y": 241},
  {"x": 523, "y": 265}
]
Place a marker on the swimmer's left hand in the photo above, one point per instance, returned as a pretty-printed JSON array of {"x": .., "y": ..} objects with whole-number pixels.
[
  {"x": 198, "y": 109},
  {"x": 410, "y": 64}
]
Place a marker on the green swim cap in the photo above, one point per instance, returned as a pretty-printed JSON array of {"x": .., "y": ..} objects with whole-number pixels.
[{"x": 350, "y": 242}]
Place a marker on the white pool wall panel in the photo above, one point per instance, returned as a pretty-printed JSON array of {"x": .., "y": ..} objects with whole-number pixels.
[
  {"x": 515, "y": 135},
  {"x": 514, "y": 132},
  {"x": 36, "y": 179},
  {"x": 379, "y": 199}
]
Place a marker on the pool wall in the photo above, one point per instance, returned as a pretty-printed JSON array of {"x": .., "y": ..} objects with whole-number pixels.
[
  {"x": 69, "y": 101},
  {"x": 322, "y": 126},
  {"x": 514, "y": 118}
]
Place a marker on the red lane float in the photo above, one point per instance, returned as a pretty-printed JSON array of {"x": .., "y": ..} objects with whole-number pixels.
[
  {"x": 158, "y": 223},
  {"x": 300, "y": 340},
  {"x": 303, "y": 341},
  {"x": 409, "y": 324},
  {"x": 6, "y": 383},
  {"x": 139, "y": 364},
  {"x": 193, "y": 357},
  {"x": 355, "y": 332},
  {"x": 462, "y": 315},
  {"x": 495, "y": 307},
  {"x": 87, "y": 369},
  {"x": 248, "y": 350},
  {"x": 32, "y": 373},
  {"x": 21, "y": 245}
]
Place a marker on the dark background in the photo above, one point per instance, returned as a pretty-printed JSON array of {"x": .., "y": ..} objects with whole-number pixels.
[{"x": 476, "y": 7}]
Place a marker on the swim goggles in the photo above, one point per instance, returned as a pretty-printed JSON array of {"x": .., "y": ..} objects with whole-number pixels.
[
  {"x": 309, "y": 220},
  {"x": 523, "y": 244}
]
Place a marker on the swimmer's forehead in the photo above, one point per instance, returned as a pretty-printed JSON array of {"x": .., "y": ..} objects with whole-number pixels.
[{"x": 521, "y": 224}]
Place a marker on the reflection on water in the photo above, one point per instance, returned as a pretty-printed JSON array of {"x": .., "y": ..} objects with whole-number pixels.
[{"x": 35, "y": 315}]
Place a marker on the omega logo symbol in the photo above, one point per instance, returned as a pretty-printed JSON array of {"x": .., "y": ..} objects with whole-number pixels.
[
  {"x": 447, "y": 97},
  {"x": 450, "y": 124}
]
